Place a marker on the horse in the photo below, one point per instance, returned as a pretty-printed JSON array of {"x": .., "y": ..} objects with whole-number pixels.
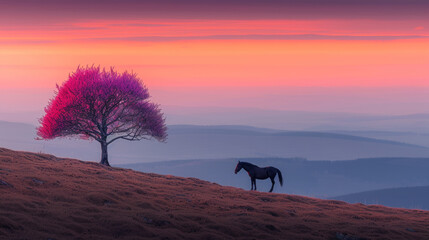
[{"x": 256, "y": 172}]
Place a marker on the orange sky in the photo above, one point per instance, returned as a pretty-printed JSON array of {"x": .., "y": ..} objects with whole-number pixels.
[
  {"x": 222, "y": 53},
  {"x": 232, "y": 53}
]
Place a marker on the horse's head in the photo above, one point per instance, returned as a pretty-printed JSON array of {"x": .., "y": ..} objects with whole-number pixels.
[{"x": 238, "y": 168}]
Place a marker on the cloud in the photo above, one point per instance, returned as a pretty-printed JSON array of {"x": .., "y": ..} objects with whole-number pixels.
[
  {"x": 25, "y": 41},
  {"x": 260, "y": 37},
  {"x": 138, "y": 25},
  {"x": 308, "y": 37}
]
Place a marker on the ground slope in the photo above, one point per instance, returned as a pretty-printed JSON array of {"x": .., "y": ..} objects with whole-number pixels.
[{"x": 44, "y": 197}]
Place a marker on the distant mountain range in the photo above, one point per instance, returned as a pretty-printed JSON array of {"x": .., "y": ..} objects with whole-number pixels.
[
  {"x": 215, "y": 142},
  {"x": 418, "y": 138},
  {"x": 405, "y": 197},
  {"x": 321, "y": 179},
  {"x": 298, "y": 120}
]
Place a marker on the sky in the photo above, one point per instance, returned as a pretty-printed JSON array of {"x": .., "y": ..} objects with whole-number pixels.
[{"x": 366, "y": 56}]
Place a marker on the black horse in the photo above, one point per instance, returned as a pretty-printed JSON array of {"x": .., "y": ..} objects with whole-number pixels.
[{"x": 256, "y": 172}]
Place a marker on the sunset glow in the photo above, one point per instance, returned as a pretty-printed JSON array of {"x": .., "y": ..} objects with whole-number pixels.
[{"x": 218, "y": 51}]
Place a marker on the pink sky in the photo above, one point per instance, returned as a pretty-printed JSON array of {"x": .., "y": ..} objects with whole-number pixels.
[{"x": 378, "y": 53}]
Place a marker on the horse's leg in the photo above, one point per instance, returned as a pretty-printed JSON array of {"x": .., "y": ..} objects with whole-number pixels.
[
  {"x": 254, "y": 183},
  {"x": 251, "y": 182},
  {"x": 273, "y": 182}
]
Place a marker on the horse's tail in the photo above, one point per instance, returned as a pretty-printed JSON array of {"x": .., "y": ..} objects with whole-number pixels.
[{"x": 280, "y": 177}]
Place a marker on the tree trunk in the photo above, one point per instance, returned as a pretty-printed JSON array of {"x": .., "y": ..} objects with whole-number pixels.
[{"x": 104, "y": 158}]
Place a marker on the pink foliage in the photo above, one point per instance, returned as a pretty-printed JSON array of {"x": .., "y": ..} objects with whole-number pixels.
[{"x": 102, "y": 105}]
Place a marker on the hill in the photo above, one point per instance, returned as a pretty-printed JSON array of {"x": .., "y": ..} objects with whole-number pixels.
[
  {"x": 321, "y": 179},
  {"x": 299, "y": 120},
  {"x": 208, "y": 142},
  {"x": 44, "y": 197},
  {"x": 405, "y": 197},
  {"x": 417, "y": 138}
]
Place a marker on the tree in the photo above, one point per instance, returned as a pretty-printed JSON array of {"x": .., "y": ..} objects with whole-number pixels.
[{"x": 104, "y": 106}]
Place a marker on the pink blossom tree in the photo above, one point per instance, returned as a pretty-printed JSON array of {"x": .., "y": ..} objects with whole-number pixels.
[{"x": 104, "y": 106}]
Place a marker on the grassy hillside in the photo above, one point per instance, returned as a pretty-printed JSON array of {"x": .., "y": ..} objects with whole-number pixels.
[{"x": 44, "y": 197}]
